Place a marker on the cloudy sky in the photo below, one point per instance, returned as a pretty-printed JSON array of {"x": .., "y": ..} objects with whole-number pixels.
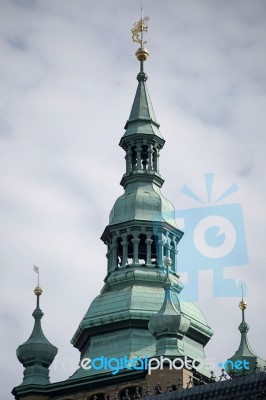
[{"x": 67, "y": 79}]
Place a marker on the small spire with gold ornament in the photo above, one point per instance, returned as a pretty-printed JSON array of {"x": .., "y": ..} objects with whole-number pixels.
[
  {"x": 243, "y": 304},
  {"x": 137, "y": 36}
]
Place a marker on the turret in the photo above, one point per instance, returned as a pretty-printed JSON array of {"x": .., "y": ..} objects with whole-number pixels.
[
  {"x": 37, "y": 353},
  {"x": 244, "y": 359},
  {"x": 169, "y": 325}
]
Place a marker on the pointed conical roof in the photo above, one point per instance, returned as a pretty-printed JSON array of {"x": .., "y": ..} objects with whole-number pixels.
[
  {"x": 37, "y": 353},
  {"x": 244, "y": 358},
  {"x": 142, "y": 118}
]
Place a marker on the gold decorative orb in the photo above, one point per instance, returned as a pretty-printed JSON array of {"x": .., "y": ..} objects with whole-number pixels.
[
  {"x": 142, "y": 54},
  {"x": 243, "y": 305},
  {"x": 38, "y": 291}
]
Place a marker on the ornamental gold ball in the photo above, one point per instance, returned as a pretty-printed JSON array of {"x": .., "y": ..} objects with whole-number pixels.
[
  {"x": 243, "y": 305},
  {"x": 142, "y": 54},
  {"x": 38, "y": 291}
]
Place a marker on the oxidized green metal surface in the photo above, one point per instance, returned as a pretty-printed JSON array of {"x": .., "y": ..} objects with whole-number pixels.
[
  {"x": 142, "y": 119},
  {"x": 136, "y": 298},
  {"x": 245, "y": 353},
  {"x": 142, "y": 202},
  {"x": 116, "y": 323},
  {"x": 36, "y": 354}
]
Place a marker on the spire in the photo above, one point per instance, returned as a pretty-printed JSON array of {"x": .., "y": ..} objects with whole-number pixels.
[
  {"x": 142, "y": 118},
  {"x": 169, "y": 325},
  {"x": 142, "y": 139},
  {"x": 141, "y": 232},
  {"x": 244, "y": 358},
  {"x": 37, "y": 353},
  {"x": 142, "y": 227}
]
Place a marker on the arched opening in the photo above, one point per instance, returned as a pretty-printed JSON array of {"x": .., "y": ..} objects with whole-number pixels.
[
  {"x": 142, "y": 249},
  {"x": 133, "y": 158},
  {"x": 154, "y": 250},
  {"x": 129, "y": 250},
  {"x": 144, "y": 156},
  {"x": 119, "y": 252}
]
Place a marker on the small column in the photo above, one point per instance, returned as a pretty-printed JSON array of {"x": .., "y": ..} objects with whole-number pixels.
[
  {"x": 174, "y": 252},
  {"x": 155, "y": 163},
  {"x": 108, "y": 259},
  {"x": 150, "y": 155},
  {"x": 175, "y": 261},
  {"x": 138, "y": 150},
  {"x": 125, "y": 250},
  {"x": 168, "y": 250},
  {"x": 135, "y": 242},
  {"x": 128, "y": 160},
  {"x": 113, "y": 248},
  {"x": 160, "y": 253},
  {"x": 148, "y": 243},
  {"x": 158, "y": 155}
]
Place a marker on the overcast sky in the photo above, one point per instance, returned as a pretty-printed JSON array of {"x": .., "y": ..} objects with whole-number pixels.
[{"x": 67, "y": 81}]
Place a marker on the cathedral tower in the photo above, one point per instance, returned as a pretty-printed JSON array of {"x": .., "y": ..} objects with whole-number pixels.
[
  {"x": 141, "y": 239},
  {"x": 139, "y": 314}
]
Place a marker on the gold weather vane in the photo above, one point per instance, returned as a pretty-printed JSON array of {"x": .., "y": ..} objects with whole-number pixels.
[
  {"x": 37, "y": 270},
  {"x": 137, "y": 36},
  {"x": 138, "y": 29},
  {"x": 37, "y": 290}
]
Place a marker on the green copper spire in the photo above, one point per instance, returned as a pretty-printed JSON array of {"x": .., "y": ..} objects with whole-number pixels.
[
  {"x": 142, "y": 231},
  {"x": 142, "y": 227},
  {"x": 142, "y": 118},
  {"x": 37, "y": 353},
  {"x": 142, "y": 140},
  {"x": 244, "y": 358}
]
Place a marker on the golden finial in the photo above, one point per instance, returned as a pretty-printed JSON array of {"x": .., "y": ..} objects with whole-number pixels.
[
  {"x": 243, "y": 305},
  {"x": 137, "y": 36},
  {"x": 38, "y": 291}
]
